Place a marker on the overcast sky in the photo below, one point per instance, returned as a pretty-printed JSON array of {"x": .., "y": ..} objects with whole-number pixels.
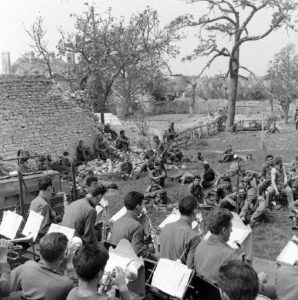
[{"x": 16, "y": 15}]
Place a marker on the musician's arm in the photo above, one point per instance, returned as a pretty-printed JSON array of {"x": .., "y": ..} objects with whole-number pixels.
[
  {"x": 193, "y": 243},
  {"x": 4, "y": 269}
]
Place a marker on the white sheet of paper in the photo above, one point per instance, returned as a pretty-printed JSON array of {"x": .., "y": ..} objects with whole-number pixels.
[
  {"x": 289, "y": 254},
  {"x": 33, "y": 224},
  {"x": 99, "y": 209},
  {"x": 118, "y": 214},
  {"x": 10, "y": 224},
  {"x": 69, "y": 232},
  {"x": 237, "y": 235},
  {"x": 171, "y": 277},
  {"x": 173, "y": 218},
  {"x": 239, "y": 232},
  {"x": 116, "y": 261}
]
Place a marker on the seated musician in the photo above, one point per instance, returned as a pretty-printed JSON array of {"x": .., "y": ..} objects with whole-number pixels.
[
  {"x": 128, "y": 226},
  {"x": 238, "y": 280},
  {"x": 44, "y": 279},
  {"x": 286, "y": 282},
  {"x": 41, "y": 204},
  {"x": 122, "y": 142},
  {"x": 158, "y": 175},
  {"x": 208, "y": 176},
  {"x": 213, "y": 252},
  {"x": 81, "y": 215},
  {"x": 228, "y": 155},
  {"x": 254, "y": 208},
  {"x": 178, "y": 240},
  {"x": 89, "y": 264},
  {"x": 195, "y": 189},
  {"x": 89, "y": 184}
]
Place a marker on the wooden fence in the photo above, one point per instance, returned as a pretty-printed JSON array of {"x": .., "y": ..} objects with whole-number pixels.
[{"x": 190, "y": 135}]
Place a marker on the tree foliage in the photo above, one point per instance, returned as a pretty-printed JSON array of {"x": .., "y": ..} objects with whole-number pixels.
[
  {"x": 231, "y": 19},
  {"x": 109, "y": 48},
  {"x": 282, "y": 76}
]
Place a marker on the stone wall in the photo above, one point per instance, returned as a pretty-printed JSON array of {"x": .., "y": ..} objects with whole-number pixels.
[{"x": 35, "y": 115}]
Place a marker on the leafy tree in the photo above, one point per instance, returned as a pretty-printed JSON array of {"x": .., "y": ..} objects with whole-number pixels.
[
  {"x": 231, "y": 18},
  {"x": 108, "y": 48},
  {"x": 282, "y": 76}
]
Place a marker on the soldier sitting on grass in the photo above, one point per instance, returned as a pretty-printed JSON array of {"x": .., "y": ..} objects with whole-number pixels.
[{"x": 254, "y": 208}]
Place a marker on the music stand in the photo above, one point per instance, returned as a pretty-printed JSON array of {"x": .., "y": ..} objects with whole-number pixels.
[{"x": 150, "y": 267}]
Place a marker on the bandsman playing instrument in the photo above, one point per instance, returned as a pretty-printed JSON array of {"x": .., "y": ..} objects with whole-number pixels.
[
  {"x": 128, "y": 227},
  {"x": 178, "y": 240},
  {"x": 89, "y": 264}
]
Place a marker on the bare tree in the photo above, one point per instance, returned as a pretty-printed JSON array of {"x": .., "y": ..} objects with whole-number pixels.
[
  {"x": 231, "y": 18},
  {"x": 37, "y": 32}
]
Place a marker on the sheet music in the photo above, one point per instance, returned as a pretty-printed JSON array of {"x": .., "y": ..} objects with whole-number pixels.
[
  {"x": 171, "y": 277},
  {"x": 289, "y": 254},
  {"x": 99, "y": 209},
  {"x": 173, "y": 217},
  {"x": 117, "y": 261},
  {"x": 10, "y": 224},
  {"x": 237, "y": 235},
  {"x": 33, "y": 224},
  {"x": 118, "y": 215},
  {"x": 69, "y": 232}
]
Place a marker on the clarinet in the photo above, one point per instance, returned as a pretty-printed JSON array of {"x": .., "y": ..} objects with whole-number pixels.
[{"x": 152, "y": 231}]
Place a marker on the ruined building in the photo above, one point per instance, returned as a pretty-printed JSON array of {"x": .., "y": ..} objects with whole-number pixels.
[{"x": 34, "y": 115}]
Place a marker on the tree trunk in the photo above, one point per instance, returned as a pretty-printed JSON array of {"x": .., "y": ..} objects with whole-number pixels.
[
  {"x": 286, "y": 108},
  {"x": 102, "y": 111},
  {"x": 233, "y": 89},
  {"x": 232, "y": 102},
  {"x": 271, "y": 105},
  {"x": 193, "y": 100}
]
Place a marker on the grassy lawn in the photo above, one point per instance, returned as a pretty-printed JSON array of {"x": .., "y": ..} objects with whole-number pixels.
[{"x": 269, "y": 238}]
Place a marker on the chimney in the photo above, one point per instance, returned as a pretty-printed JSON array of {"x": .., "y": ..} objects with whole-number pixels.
[{"x": 6, "y": 67}]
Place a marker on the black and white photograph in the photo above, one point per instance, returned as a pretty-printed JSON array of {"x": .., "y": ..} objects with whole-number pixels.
[{"x": 149, "y": 149}]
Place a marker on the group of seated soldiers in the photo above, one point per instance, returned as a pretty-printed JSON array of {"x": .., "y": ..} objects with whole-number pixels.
[{"x": 177, "y": 240}]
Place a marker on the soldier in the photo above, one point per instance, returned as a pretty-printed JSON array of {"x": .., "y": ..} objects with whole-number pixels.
[
  {"x": 253, "y": 209},
  {"x": 266, "y": 174}
]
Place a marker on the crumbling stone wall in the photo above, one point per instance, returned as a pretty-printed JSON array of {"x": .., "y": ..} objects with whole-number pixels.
[{"x": 35, "y": 115}]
